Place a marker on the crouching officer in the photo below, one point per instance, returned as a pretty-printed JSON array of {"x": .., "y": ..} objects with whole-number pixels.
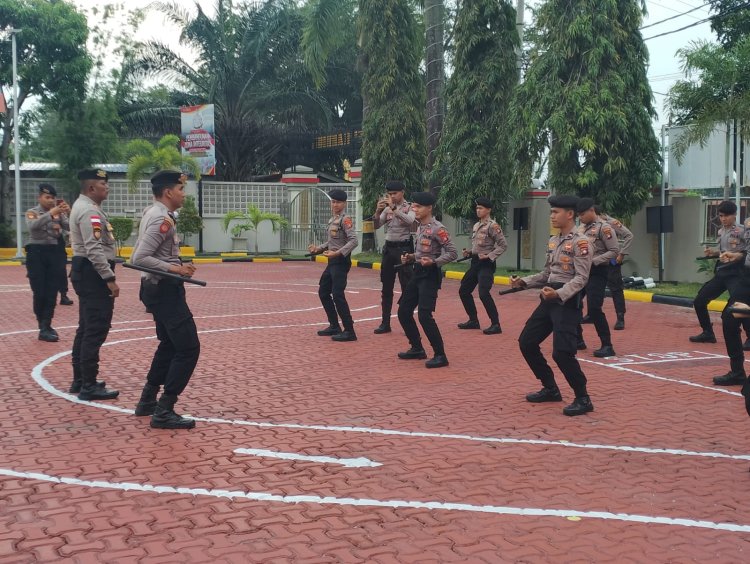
[
  {"x": 342, "y": 239},
  {"x": 564, "y": 276},
  {"x": 176, "y": 356},
  {"x": 93, "y": 277},
  {"x": 395, "y": 213},
  {"x": 45, "y": 223},
  {"x": 433, "y": 249},
  {"x": 487, "y": 243}
]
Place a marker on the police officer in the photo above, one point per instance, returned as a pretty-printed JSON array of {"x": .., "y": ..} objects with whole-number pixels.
[
  {"x": 342, "y": 239},
  {"x": 731, "y": 240},
  {"x": 487, "y": 243},
  {"x": 604, "y": 248},
  {"x": 176, "y": 356},
  {"x": 433, "y": 249},
  {"x": 45, "y": 223},
  {"x": 93, "y": 277},
  {"x": 564, "y": 276},
  {"x": 395, "y": 213},
  {"x": 614, "y": 280}
]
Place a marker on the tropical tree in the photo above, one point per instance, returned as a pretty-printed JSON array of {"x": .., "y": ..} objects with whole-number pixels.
[
  {"x": 250, "y": 221},
  {"x": 716, "y": 91},
  {"x": 248, "y": 65},
  {"x": 730, "y": 21},
  {"x": 188, "y": 221},
  {"x": 586, "y": 100},
  {"x": 52, "y": 62},
  {"x": 145, "y": 158},
  {"x": 394, "y": 96},
  {"x": 474, "y": 157}
]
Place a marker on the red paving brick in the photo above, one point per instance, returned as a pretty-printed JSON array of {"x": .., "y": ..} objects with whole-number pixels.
[{"x": 262, "y": 363}]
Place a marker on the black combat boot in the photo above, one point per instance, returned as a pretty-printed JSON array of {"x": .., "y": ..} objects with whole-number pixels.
[
  {"x": 76, "y": 386},
  {"x": 384, "y": 327},
  {"x": 46, "y": 333},
  {"x": 544, "y": 395},
  {"x": 470, "y": 324},
  {"x": 605, "y": 351},
  {"x": 620, "y": 324},
  {"x": 704, "y": 337},
  {"x": 164, "y": 416},
  {"x": 414, "y": 353},
  {"x": 730, "y": 379},
  {"x": 493, "y": 329},
  {"x": 147, "y": 403},
  {"x": 437, "y": 361},
  {"x": 345, "y": 335},
  {"x": 579, "y": 406},
  {"x": 330, "y": 331},
  {"x": 90, "y": 391},
  {"x": 65, "y": 300}
]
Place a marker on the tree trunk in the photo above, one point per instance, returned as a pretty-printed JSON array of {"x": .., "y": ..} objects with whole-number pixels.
[
  {"x": 5, "y": 166},
  {"x": 433, "y": 14},
  {"x": 727, "y": 175}
]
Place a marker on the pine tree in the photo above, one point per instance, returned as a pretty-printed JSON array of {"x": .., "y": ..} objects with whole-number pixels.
[
  {"x": 586, "y": 98},
  {"x": 393, "y": 124},
  {"x": 474, "y": 156}
]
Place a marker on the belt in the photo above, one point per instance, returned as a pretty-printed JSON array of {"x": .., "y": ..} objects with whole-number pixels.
[{"x": 398, "y": 243}]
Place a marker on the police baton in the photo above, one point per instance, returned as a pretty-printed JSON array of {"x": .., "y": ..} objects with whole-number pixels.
[
  {"x": 164, "y": 274},
  {"x": 511, "y": 291}
]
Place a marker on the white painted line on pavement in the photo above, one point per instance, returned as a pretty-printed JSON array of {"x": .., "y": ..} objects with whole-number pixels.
[
  {"x": 360, "y": 462},
  {"x": 389, "y": 503}
]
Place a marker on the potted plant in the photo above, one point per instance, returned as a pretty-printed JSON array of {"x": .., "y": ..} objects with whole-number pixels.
[
  {"x": 188, "y": 221},
  {"x": 250, "y": 220}
]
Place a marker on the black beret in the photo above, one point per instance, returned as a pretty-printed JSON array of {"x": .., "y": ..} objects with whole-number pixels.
[
  {"x": 484, "y": 202},
  {"x": 564, "y": 201},
  {"x": 423, "y": 198},
  {"x": 47, "y": 189},
  {"x": 394, "y": 186},
  {"x": 584, "y": 204},
  {"x": 93, "y": 174},
  {"x": 337, "y": 194},
  {"x": 168, "y": 178}
]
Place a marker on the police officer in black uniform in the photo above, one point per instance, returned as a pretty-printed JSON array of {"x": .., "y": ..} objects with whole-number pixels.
[
  {"x": 93, "y": 277},
  {"x": 565, "y": 274},
  {"x": 45, "y": 223},
  {"x": 175, "y": 358}
]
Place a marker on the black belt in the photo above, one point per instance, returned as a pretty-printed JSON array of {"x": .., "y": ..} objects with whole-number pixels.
[{"x": 403, "y": 243}]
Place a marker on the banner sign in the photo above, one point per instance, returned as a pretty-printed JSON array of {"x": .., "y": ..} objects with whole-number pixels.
[{"x": 198, "y": 139}]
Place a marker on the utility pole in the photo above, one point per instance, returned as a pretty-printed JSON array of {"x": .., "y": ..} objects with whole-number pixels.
[
  {"x": 16, "y": 148},
  {"x": 520, "y": 7}
]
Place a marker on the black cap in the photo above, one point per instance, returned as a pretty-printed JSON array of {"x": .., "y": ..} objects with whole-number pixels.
[
  {"x": 337, "y": 194},
  {"x": 584, "y": 204},
  {"x": 484, "y": 202},
  {"x": 564, "y": 201},
  {"x": 168, "y": 178},
  {"x": 423, "y": 198},
  {"x": 394, "y": 186},
  {"x": 47, "y": 189},
  {"x": 93, "y": 174}
]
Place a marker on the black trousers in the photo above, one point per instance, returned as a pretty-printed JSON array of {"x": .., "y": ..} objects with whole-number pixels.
[
  {"x": 595, "y": 289},
  {"x": 43, "y": 265},
  {"x": 482, "y": 273},
  {"x": 179, "y": 347},
  {"x": 421, "y": 293},
  {"x": 95, "y": 308},
  {"x": 712, "y": 290},
  {"x": 561, "y": 320},
  {"x": 614, "y": 283},
  {"x": 331, "y": 292},
  {"x": 392, "y": 257},
  {"x": 63, "y": 267}
]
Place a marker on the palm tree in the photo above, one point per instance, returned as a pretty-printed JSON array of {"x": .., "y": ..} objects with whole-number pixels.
[
  {"x": 251, "y": 220},
  {"x": 145, "y": 158},
  {"x": 248, "y": 65}
]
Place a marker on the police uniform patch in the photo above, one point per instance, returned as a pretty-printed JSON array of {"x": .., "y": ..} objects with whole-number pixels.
[
  {"x": 607, "y": 232},
  {"x": 348, "y": 222},
  {"x": 164, "y": 227},
  {"x": 617, "y": 223},
  {"x": 583, "y": 247},
  {"x": 443, "y": 235},
  {"x": 32, "y": 215}
]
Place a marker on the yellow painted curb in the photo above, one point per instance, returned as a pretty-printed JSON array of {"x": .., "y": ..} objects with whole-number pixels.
[
  {"x": 717, "y": 305},
  {"x": 320, "y": 258},
  {"x": 11, "y": 263},
  {"x": 207, "y": 260},
  {"x": 268, "y": 259},
  {"x": 638, "y": 296},
  {"x": 502, "y": 280},
  {"x": 454, "y": 275},
  {"x": 377, "y": 266},
  {"x": 355, "y": 262},
  {"x": 237, "y": 254}
]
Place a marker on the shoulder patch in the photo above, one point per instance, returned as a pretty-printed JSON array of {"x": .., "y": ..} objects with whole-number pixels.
[
  {"x": 31, "y": 215},
  {"x": 443, "y": 235},
  {"x": 583, "y": 246},
  {"x": 607, "y": 231},
  {"x": 616, "y": 223},
  {"x": 348, "y": 222},
  {"x": 165, "y": 226}
]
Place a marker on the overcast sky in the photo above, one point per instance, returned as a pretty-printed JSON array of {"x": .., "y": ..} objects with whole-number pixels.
[{"x": 664, "y": 68}]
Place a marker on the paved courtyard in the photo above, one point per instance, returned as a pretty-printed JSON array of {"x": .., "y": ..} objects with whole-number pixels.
[{"x": 308, "y": 450}]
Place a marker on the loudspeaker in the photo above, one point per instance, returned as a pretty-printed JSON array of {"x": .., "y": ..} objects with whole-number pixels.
[
  {"x": 659, "y": 219},
  {"x": 521, "y": 219}
]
